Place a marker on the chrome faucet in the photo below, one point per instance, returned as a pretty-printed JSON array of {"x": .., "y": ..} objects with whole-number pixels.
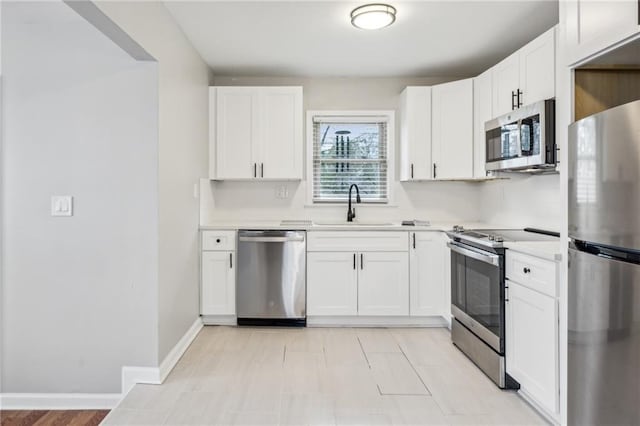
[{"x": 351, "y": 212}]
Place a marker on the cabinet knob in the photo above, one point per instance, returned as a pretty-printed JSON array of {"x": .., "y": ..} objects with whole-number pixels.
[
  {"x": 526, "y": 270},
  {"x": 218, "y": 240}
]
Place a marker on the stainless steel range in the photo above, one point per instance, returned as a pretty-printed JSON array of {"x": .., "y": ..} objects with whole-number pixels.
[{"x": 478, "y": 295}]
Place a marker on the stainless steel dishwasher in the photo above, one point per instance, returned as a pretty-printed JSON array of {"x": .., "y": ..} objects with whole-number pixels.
[{"x": 271, "y": 281}]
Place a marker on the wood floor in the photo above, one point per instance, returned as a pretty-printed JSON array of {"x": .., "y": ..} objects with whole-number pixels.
[
  {"x": 52, "y": 417},
  {"x": 337, "y": 376}
]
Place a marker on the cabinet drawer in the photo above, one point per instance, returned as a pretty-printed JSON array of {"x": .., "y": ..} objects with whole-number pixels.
[
  {"x": 533, "y": 272},
  {"x": 357, "y": 241},
  {"x": 218, "y": 240}
]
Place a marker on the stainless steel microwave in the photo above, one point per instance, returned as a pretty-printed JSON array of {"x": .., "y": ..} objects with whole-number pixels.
[{"x": 522, "y": 140}]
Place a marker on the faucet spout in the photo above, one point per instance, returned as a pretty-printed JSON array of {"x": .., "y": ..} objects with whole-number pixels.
[{"x": 351, "y": 212}]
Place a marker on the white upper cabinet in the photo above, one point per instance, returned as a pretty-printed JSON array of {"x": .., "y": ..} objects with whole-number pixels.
[
  {"x": 506, "y": 81},
  {"x": 527, "y": 76},
  {"x": 428, "y": 268},
  {"x": 538, "y": 69},
  {"x": 452, "y": 130},
  {"x": 237, "y": 126},
  {"x": 482, "y": 112},
  {"x": 255, "y": 133},
  {"x": 415, "y": 133},
  {"x": 594, "y": 25},
  {"x": 281, "y": 156}
]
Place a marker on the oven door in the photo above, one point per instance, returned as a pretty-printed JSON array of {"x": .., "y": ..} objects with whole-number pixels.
[{"x": 477, "y": 293}]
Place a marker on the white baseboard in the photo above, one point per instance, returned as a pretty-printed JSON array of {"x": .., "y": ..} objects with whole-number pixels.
[
  {"x": 157, "y": 375},
  {"x": 551, "y": 418},
  {"x": 79, "y": 401},
  {"x": 59, "y": 401},
  {"x": 375, "y": 321},
  {"x": 179, "y": 349},
  {"x": 133, "y": 375},
  {"x": 219, "y": 320}
]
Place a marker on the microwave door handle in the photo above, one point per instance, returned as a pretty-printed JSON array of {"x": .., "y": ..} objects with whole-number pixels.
[{"x": 492, "y": 259}]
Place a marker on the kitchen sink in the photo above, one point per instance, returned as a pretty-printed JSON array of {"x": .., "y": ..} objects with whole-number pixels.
[{"x": 355, "y": 223}]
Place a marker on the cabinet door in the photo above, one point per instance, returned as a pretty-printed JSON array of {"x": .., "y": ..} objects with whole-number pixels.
[
  {"x": 538, "y": 68},
  {"x": 282, "y": 141},
  {"x": 532, "y": 343},
  {"x": 482, "y": 112},
  {"x": 594, "y": 25},
  {"x": 332, "y": 284},
  {"x": 218, "y": 283},
  {"x": 383, "y": 283},
  {"x": 452, "y": 126},
  {"x": 415, "y": 133},
  {"x": 427, "y": 274},
  {"x": 237, "y": 132},
  {"x": 506, "y": 81}
]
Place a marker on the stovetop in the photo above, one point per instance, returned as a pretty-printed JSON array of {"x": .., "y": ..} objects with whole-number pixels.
[{"x": 495, "y": 238}]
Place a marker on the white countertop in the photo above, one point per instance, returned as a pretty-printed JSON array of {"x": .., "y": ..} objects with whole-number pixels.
[
  {"x": 395, "y": 226},
  {"x": 550, "y": 250}
]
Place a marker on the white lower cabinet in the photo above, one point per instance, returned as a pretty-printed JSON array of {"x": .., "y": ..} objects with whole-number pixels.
[
  {"x": 218, "y": 283},
  {"x": 532, "y": 344},
  {"x": 218, "y": 276},
  {"x": 428, "y": 272},
  {"x": 357, "y": 274},
  {"x": 383, "y": 287},
  {"x": 332, "y": 284}
]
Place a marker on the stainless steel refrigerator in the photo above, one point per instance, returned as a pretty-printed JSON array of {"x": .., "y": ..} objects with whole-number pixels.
[{"x": 604, "y": 268}]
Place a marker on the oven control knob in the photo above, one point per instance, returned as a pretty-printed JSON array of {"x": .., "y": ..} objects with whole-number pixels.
[
  {"x": 499, "y": 239},
  {"x": 458, "y": 228},
  {"x": 491, "y": 238}
]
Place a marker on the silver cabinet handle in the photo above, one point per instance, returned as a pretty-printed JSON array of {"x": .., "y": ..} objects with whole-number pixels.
[
  {"x": 230, "y": 260},
  {"x": 492, "y": 259},
  {"x": 361, "y": 261},
  {"x": 255, "y": 170},
  {"x": 354, "y": 261},
  {"x": 262, "y": 170},
  {"x": 271, "y": 239}
]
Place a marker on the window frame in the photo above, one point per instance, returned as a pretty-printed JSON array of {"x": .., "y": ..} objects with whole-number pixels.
[{"x": 391, "y": 134}]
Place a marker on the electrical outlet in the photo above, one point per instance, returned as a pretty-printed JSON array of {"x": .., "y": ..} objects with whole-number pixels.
[
  {"x": 61, "y": 205},
  {"x": 282, "y": 192}
]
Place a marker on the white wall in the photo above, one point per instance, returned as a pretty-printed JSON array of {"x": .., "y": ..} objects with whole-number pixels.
[
  {"x": 435, "y": 201},
  {"x": 80, "y": 294},
  {"x": 523, "y": 201},
  {"x": 1, "y": 212},
  {"x": 183, "y": 152}
]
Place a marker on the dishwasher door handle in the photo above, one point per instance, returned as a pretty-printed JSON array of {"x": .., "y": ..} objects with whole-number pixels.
[{"x": 271, "y": 239}]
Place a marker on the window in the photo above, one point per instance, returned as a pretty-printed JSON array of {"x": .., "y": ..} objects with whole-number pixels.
[{"x": 350, "y": 148}]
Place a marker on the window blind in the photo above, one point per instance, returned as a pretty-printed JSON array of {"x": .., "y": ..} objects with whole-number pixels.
[{"x": 350, "y": 151}]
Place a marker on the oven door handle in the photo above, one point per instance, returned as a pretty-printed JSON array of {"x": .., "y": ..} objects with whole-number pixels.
[{"x": 492, "y": 259}]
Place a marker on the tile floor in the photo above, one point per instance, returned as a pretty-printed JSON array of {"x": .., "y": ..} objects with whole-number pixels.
[{"x": 323, "y": 376}]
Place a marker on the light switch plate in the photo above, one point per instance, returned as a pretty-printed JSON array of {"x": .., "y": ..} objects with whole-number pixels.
[{"x": 61, "y": 205}]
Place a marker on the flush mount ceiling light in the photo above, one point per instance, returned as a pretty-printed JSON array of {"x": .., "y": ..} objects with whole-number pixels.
[{"x": 373, "y": 16}]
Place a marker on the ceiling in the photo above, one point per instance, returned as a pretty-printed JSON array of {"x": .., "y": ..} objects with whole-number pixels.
[{"x": 316, "y": 39}]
